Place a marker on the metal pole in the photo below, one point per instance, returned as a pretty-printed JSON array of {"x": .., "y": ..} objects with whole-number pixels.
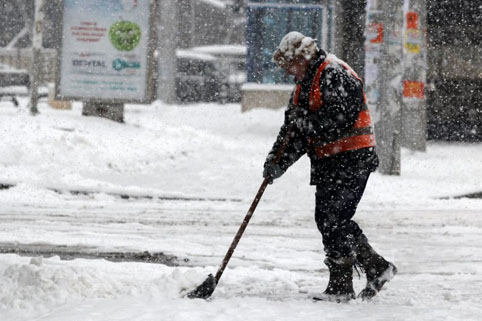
[
  {"x": 36, "y": 55},
  {"x": 388, "y": 128},
  {"x": 167, "y": 34},
  {"x": 414, "y": 119}
]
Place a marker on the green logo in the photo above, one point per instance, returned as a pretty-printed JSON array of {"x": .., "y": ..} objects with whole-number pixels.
[
  {"x": 120, "y": 64},
  {"x": 125, "y": 35}
]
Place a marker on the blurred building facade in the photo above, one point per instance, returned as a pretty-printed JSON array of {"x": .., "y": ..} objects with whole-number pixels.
[{"x": 454, "y": 31}]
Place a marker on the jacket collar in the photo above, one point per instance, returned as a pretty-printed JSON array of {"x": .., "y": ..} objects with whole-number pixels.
[{"x": 315, "y": 63}]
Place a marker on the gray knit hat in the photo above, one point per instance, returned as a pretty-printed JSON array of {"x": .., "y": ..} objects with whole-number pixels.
[{"x": 294, "y": 45}]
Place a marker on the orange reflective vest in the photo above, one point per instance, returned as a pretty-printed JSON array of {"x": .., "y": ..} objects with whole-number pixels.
[{"x": 359, "y": 136}]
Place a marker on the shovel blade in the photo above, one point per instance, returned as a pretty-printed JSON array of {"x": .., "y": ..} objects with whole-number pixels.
[{"x": 205, "y": 290}]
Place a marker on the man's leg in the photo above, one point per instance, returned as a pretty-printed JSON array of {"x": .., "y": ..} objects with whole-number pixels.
[
  {"x": 377, "y": 269},
  {"x": 336, "y": 203}
]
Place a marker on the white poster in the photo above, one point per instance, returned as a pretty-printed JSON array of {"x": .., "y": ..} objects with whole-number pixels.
[
  {"x": 105, "y": 50},
  {"x": 373, "y": 42}
]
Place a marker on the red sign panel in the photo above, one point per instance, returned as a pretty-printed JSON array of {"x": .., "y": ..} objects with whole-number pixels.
[
  {"x": 375, "y": 31},
  {"x": 412, "y": 20},
  {"x": 413, "y": 89}
]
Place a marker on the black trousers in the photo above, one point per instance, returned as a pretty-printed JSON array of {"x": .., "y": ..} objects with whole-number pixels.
[{"x": 336, "y": 201}]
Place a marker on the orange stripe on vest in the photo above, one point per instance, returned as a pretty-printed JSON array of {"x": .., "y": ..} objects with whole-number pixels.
[
  {"x": 345, "y": 144},
  {"x": 363, "y": 121},
  {"x": 296, "y": 96},
  {"x": 315, "y": 94}
]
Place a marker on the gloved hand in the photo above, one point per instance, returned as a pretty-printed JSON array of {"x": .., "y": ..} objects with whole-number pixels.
[{"x": 272, "y": 172}]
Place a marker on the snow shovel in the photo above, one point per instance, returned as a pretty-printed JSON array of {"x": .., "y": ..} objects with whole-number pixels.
[{"x": 206, "y": 289}]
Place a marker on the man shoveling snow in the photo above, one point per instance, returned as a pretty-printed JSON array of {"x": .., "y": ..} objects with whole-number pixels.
[{"x": 328, "y": 119}]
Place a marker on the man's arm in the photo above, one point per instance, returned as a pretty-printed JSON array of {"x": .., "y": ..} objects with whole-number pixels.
[{"x": 290, "y": 139}]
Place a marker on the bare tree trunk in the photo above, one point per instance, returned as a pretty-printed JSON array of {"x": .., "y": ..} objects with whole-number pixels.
[{"x": 353, "y": 34}]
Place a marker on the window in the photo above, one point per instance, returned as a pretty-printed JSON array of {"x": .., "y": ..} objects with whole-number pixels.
[{"x": 268, "y": 22}]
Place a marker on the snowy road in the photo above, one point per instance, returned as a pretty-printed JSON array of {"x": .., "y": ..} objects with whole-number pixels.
[
  {"x": 210, "y": 152},
  {"x": 277, "y": 265}
]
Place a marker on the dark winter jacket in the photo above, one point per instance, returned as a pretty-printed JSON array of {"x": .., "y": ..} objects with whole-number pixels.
[{"x": 343, "y": 100}]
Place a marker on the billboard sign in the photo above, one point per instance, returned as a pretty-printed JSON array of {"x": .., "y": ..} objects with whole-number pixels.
[{"x": 106, "y": 51}]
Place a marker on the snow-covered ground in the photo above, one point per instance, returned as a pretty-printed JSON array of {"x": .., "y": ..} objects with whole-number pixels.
[{"x": 203, "y": 165}]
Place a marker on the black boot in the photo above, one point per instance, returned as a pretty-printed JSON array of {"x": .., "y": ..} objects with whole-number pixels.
[
  {"x": 377, "y": 269},
  {"x": 340, "y": 286}
]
